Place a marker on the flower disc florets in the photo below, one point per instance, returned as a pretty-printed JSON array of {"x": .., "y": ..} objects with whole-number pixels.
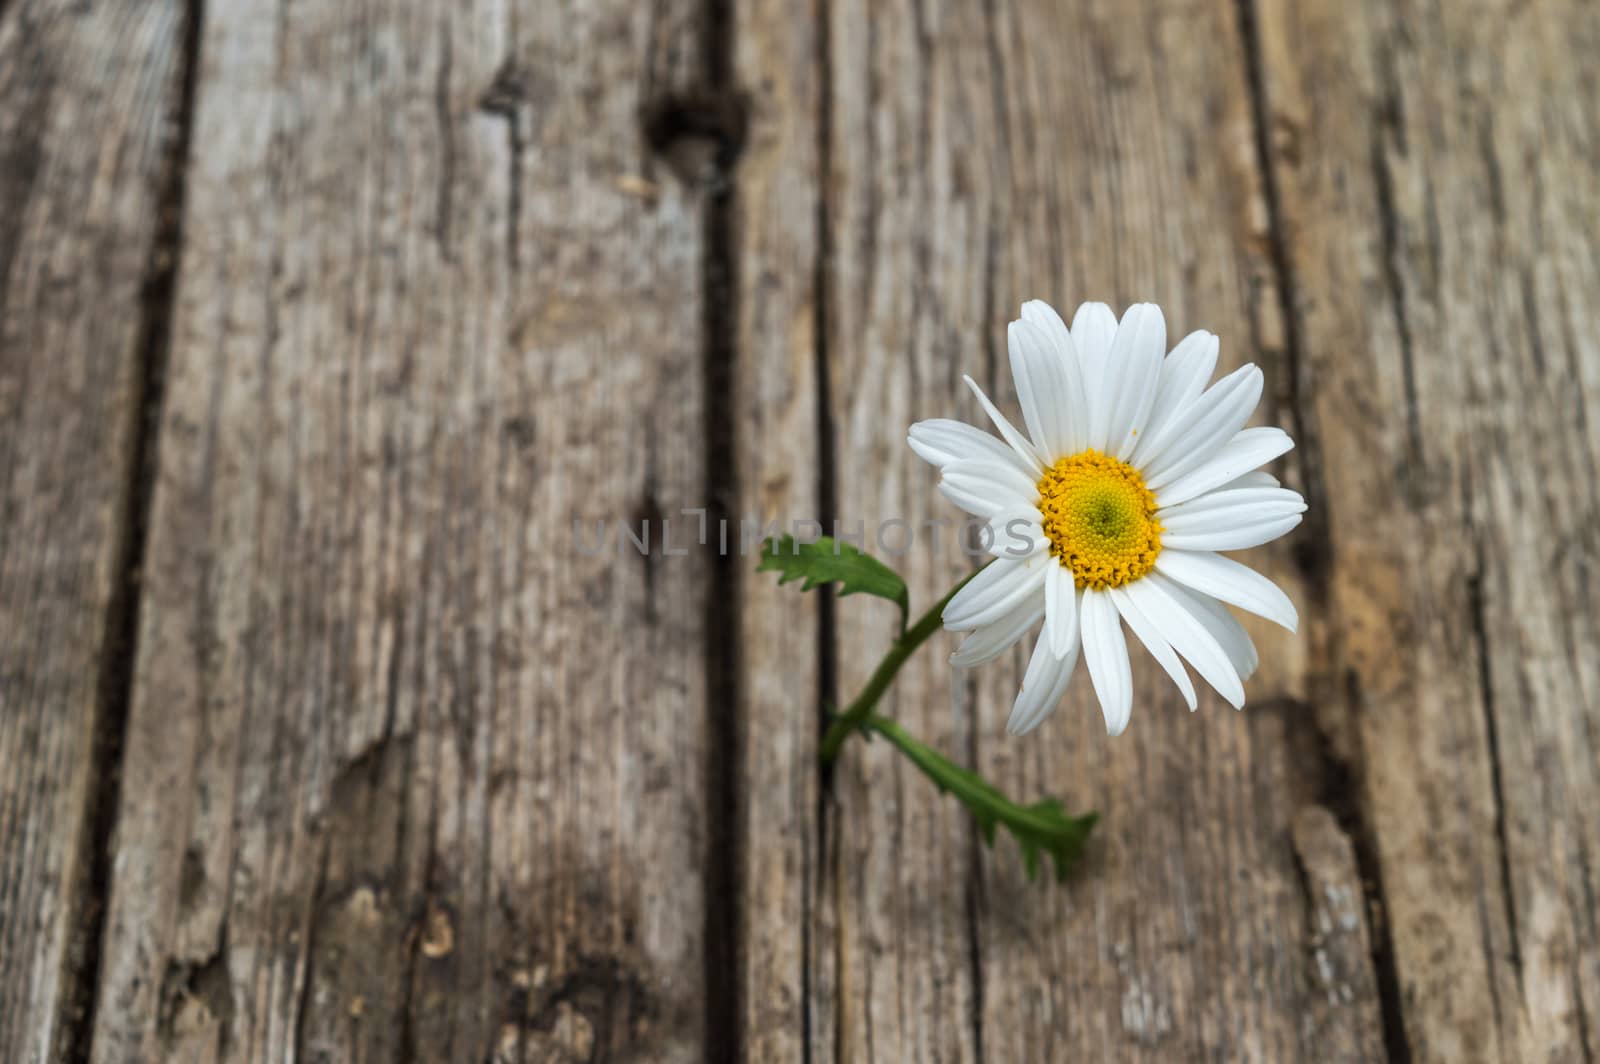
[{"x": 1100, "y": 519}]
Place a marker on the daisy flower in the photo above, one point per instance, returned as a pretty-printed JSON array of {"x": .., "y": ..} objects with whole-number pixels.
[{"x": 1132, "y": 476}]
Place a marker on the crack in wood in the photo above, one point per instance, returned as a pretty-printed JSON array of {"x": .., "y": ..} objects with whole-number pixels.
[
  {"x": 1584, "y": 1042},
  {"x": 120, "y": 646},
  {"x": 444, "y": 204},
  {"x": 976, "y": 900},
  {"x": 506, "y": 98},
  {"x": 311, "y": 927},
  {"x": 1480, "y": 646}
]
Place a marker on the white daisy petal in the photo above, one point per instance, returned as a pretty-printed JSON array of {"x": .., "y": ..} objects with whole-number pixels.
[
  {"x": 1044, "y": 318},
  {"x": 997, "y": 589},
  {"x": 1240, "y": 537},
  {"x": 1093, "y": 328},
  {"x": 1184, "y": 374},
  {"x": 1003, "y": 479},
  {"x": 1019, "y": 443},
  {"x": 1154, "y": 641},
  {"x": 1258, "y": 479},
  {"x": 1052, "y": 365},
  {"x": 1042, "y": 686},
  {"x": 1229, "y": 505},
  {"x": 992, "y": 640},
  {"x": 1043, "y": 388},
  {"x": 1015, "y": 533},
  {"x": 1246, "y": 451},
  {"x": 1129, "y": 388},
  {"x": 1233, "y": 583},
  {"x": 940, "y": 441},
  {"x": 1106, "y": 653},
  {"x": 1189, "y": 637},
  {"x": 1223, "y": 626},
  {"x": 978, "y": 497},
  {"x": 1060, "y": 609},
  {"x": 1234, "y": 519},
  {"x": 1202, "y": 428}
]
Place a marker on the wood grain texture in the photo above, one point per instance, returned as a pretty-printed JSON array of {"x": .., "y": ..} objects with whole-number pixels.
[
  {"x": 1436, "y": 166},
  {"x": 1344, "y": 1005},
  {"x": 409, "y": 776},
  {"x": 78, "y": 221}
]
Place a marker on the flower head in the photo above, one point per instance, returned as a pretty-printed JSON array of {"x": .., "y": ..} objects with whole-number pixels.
[{"x": 1133, "y": 474}]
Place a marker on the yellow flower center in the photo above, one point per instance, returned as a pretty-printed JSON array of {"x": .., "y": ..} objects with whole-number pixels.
[{"x": 1100, "y": 519}]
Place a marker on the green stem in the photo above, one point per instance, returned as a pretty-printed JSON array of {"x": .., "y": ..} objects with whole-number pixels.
[
  {"x": 856, "y": 713},
  {"x": 977, "y": 793},
  {"x": 1041, "y": 827}
]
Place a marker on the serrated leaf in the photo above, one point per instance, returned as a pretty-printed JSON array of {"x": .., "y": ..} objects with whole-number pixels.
[
  {"x": 1042, "y": 826},
  {"x": 831, "y": 561}
]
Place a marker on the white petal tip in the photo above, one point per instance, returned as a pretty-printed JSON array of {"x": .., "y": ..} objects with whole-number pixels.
[{"x": 1023, "y": 725}]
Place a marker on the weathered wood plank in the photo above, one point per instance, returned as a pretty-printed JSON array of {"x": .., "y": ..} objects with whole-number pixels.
[
  {"x": 408, "y": 775},
  {"x": 981, "y": 155},
  {"x": 1437, "y": 174},
  {"x": 85, "y": 99},
  {"x": 787, "y": 962},
  {"x": 911, "y": 116}
]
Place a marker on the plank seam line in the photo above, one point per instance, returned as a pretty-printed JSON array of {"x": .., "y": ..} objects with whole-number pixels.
[
  {"x": 827, "y": 486},
  {"x": 723, "y": 918},
  {"x": 1354, "y": 819},
  {"x": 120, "y": 646},
  {"x": 1388, "y": 118}
]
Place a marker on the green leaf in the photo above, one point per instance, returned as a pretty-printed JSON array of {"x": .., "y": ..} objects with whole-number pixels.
[
  {"x": 1043, "y": 826},
  {"x": 830, "y": 561}
]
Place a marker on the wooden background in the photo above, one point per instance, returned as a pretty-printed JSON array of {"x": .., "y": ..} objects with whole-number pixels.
[{"x": 320, "y": 320}]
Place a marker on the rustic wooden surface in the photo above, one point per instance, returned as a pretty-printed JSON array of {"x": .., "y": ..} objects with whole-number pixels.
[
  {"x": 319, "y": 322},
  {"x": 87, "y": 103}
]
